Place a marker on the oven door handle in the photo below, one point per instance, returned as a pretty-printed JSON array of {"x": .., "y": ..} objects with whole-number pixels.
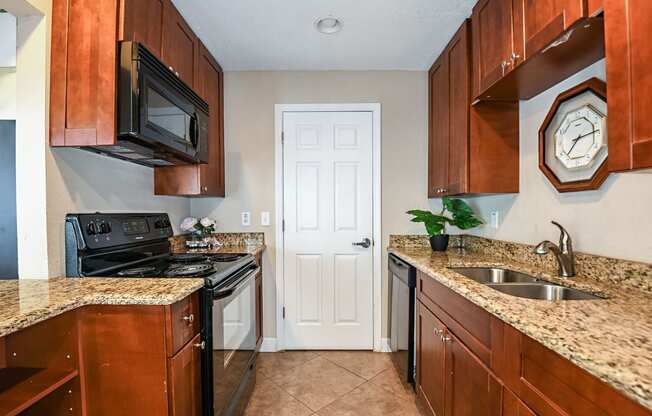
[{"x": 230, "y": 289}]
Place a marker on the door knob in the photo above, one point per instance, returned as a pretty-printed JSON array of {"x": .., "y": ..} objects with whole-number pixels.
[{"x": 365, "y": 243}]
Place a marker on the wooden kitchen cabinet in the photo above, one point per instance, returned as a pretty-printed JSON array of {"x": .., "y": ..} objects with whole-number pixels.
[
  {"x": 523, "y": 47},
  {"x": 205, "y": 179},
  {"x": 497, "y": 47},
  {"x": 431, "y": 360},
  {"x": 472, "y": 149},
  {"x": 513, "y": 406},
  {"x": 142, "y": 21},
  {"x": 184, "y": 374},
  {"x": 180, "y": 45},
  {"x": 629, "y": 62}
]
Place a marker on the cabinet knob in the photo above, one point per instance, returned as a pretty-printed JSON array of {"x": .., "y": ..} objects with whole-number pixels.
[
  {"x": 190, "y": 318},
  {"x": 439, "y": 332},
  {"x": 205, "y": 188},
  {"x": 515, "y": 56},
  {"x": 170, "y": 68},
  {"x": 446, "y": 338},
  {"x": 200, "y": 345}
]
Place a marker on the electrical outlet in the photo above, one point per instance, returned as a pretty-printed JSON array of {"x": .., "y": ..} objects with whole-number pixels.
[
  {"x": 246, "y": 219},
  {"x": 264, "y": 218},
  {"x": 495, "y": 219}
]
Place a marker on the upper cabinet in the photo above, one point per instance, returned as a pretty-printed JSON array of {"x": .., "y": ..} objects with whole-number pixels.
[
  {"x": 205, "y": 179},
  {"x": 143, "y": 22},
  {"x": 523, "y": 47},
  {"x": 494, "y": 47},
  {"x": 629, "y": 61},
  {"x": 83, "y": 79},
  {"x": 180, "y": 46},
  {"x": 472, "y": 149}
]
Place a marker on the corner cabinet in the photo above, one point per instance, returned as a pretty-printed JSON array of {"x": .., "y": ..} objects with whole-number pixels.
[
  {"x": 472, "y": 149},
  {"x": 205, "y": 179},
  {"x": 629, "y": 61},
  {"x": 83, "y": 79}
]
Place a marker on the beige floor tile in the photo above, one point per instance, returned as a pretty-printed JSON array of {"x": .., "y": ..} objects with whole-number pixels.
[
  {"x": 270, "y": 364},
  {"x": 366, "y": 364},
  {"x": 269, "y": 400},
  {"x": 317, "y": 383},
  {"x": 370, "y": 400},
  {"x": 390, "y": 381}
]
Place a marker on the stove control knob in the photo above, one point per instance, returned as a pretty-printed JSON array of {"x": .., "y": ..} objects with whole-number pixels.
[
  {"x": 159, "y": 224},
  {"x": 91, "y": 229},
  {"x": 105, "y": 228}
]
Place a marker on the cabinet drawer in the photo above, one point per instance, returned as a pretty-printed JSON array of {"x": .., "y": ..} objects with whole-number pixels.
[
  {"x": 182, "y": 322},
  {"x": 476, "y": 328}
]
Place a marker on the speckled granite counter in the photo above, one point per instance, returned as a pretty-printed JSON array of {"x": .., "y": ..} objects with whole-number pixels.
[
  {"x": 232, "y": 243},
  {"x": 610, "y": 338},
  {"x": 254, "y": 250},
  {"x": 27, "y": 302}
]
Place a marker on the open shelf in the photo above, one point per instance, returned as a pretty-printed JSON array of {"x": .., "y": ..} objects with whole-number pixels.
[{"x": 21, "y": 387}]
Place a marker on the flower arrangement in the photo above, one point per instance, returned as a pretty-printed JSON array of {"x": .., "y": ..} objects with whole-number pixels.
[{"x": 203, "y": 227}]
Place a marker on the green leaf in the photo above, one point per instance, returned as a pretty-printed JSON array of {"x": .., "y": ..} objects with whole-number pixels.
[
  {"x": 435, "y": 224},
  {"x": 463, "y": 216}
]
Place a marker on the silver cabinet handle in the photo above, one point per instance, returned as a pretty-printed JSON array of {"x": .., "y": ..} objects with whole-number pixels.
[
  {"x": 365, "y": 243},
  {"x": 200, "y": 345},
  {"x": 515, "y": 56},
  {"x": 190, "y": 318},
  {"x": 170, "y": 68},
  {"x": 446, "y": 338},
  {"x": 439, "y": 332}
]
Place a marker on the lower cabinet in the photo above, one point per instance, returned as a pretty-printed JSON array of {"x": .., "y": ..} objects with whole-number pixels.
[
  {"x": 184, "y": 375},
  {"x": 451, "y": 381},
  {"x": 471, "y": 364}
]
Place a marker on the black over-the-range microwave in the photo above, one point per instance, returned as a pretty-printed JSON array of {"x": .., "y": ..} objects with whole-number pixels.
[{"x": 161, "y": 120}]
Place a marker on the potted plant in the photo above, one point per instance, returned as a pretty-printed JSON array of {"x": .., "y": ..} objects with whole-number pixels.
[{"x": 462, "y": 215}]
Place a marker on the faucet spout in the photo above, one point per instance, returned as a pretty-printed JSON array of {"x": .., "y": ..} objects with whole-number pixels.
[{"x": 563, "y": 252}]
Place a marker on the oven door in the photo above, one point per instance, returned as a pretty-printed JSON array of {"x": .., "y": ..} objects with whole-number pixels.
[{"x": 232, "y": 338}]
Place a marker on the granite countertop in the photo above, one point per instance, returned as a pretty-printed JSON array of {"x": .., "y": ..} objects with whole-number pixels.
[
  {"x": 610, "y": 338},
  {"x": 26, "y": 302}
]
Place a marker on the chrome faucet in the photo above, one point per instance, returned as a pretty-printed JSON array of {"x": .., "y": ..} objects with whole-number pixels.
[{"x": 564, "y": 252}]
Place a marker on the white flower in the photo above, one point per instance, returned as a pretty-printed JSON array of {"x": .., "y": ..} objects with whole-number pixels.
[
  {"x": 207, "y": 222},
  {"x": 188, "y": 224}
]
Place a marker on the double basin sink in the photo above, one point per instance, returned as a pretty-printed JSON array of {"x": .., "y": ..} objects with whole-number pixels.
[{"x": 521, "y": 285}]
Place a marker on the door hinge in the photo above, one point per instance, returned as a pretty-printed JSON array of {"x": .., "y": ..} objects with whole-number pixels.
[
  {"x": 283, "y": 312},
  {"x": 283, "y": 225},
  {"x": 282, "y": 137}
]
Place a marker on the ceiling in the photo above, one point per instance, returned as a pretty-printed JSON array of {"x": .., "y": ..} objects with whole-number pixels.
[{"x": 279, "y": 34}]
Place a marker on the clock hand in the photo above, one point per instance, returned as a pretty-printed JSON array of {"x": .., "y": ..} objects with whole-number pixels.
[{"x": 575, "y": 141}]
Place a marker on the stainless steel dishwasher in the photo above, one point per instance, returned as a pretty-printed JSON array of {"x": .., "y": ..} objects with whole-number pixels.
[{"x": 403, "y": 279}]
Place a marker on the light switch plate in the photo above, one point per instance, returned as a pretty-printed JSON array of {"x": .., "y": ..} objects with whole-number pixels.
[
  {"x": 264, "y": 218},
  {"x": 246, "y": 218},
  {"x": 495, "y": 219}
]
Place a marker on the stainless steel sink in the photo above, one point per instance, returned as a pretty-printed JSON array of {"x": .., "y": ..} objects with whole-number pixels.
[
  {"x": 520, "y": 284},
  {"x": 487, "y": 275},
  {"x": 542, "y": 291}
]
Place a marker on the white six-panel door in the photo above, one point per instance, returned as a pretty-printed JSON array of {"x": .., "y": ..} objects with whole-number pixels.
[{"x": 328, "y": 206}]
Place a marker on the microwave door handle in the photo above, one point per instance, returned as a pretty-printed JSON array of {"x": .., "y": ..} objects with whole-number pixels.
[{"x": 194, "y": 130}]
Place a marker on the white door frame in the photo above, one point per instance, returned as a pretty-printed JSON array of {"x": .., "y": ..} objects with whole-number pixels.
[{"x": 373, "y": 108}]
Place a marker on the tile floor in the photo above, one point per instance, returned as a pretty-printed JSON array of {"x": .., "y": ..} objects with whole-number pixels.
[{"x": 329, "y": 383}]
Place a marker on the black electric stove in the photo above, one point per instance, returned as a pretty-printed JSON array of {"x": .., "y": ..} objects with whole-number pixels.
[{"x": 137, "y": 246}]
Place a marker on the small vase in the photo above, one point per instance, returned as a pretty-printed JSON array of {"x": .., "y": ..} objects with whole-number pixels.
[{"x": 439, "y": 242}]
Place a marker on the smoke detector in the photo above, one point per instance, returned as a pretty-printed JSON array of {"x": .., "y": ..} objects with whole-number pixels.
[{"x": 328, "y": 25}]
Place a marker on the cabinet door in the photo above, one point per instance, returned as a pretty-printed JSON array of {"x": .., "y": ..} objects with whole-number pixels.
[
  {"x": 431, "y": 360},
  {"x": 471, "y": 390},
  {"x": 209, "y": 85},
  {"x": 143, "y": 22},
  {"x": 629, "y": 62},
  {"x": 459, "y": 79},
  {"x": 180, "y": 46},
  {"x": 438, "y": 142},
  {"x": 184, "y": 378},
  {"x": 545, "y": 20},
  {"x": 493, "y": 42}
]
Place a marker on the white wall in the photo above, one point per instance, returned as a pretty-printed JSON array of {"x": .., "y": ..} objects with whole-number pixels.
[
  {"x": 7, "y": 93},
  {"x": 8, "y": 40},
  {"x": 249, "y": 145},
  {"x": 612, "y": 221}
]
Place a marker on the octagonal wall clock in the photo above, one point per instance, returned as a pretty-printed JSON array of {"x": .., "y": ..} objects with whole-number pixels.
[{"x": 573, "y": 146}]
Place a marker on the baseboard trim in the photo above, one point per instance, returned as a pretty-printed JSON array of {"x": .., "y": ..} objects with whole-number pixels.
[
  {"x": 384, "y": 345},
  {"x": 268, "y": 345}
]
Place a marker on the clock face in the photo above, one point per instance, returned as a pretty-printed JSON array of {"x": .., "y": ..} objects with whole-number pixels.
[
  {"x": 574, "y": 139},
  {"x": 579, "y": 138}
]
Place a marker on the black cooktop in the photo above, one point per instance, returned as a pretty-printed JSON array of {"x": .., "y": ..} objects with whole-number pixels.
[{"x": 213, "y": 267}]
